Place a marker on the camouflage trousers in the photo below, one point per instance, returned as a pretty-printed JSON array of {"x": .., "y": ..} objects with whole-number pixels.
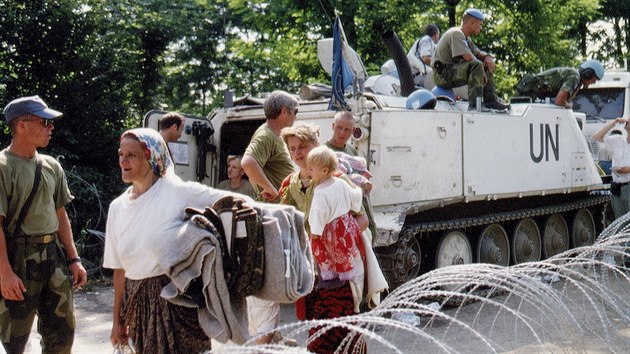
[
  {"x": 467, "y": 73},
  {"x": 44, "y": 272}
]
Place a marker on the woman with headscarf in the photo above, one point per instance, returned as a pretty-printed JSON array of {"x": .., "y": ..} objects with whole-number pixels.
[
  {"x": 329, "y": 299},
  {"x": 139, "y": 222}
]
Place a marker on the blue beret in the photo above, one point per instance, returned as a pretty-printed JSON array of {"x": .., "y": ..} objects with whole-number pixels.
[{"x": 475, "y": 13}]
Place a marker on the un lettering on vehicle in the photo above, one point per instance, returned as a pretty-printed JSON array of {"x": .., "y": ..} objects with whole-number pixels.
[{"x": 544, "y": 142}]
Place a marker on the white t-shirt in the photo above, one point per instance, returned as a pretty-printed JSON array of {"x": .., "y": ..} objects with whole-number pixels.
[
  {"x": 332, "y": 200},
  {"x": 423, "y": 47},
  {"x": 427, "y": 47},
  {"x": 137, "y": 229},
  {"x": 620, "y": 150}
]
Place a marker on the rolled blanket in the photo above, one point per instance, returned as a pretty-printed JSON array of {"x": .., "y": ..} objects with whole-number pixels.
[
  {"x": 192, "y": 254},
  {"x": 289, "y": 272}
]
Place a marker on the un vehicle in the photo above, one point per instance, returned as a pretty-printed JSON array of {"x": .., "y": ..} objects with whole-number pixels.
[{"x": 451, "y": 186}]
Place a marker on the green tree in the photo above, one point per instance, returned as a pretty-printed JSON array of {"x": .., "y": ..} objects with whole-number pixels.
[
  {"x": 61, "y": 51},
  {"x": 610, "y": 31}
]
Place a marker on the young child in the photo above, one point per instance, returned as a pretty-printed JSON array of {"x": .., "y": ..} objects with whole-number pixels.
[{"x": 334, "y": 232}]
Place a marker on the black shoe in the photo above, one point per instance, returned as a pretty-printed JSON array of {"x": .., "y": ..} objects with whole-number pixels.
[{"x": 496, "y": 105}]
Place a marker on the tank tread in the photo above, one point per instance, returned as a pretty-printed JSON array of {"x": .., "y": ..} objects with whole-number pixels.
[
  {"x": 391, "y": 258},
  {"x": 414, "y": 229}
]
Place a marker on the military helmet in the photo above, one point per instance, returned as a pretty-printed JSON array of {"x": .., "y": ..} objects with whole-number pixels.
[
  {"x": 439, "y": 91},
  {"x": 595, "y": 66},
  {"x": 421, "y": 99}
]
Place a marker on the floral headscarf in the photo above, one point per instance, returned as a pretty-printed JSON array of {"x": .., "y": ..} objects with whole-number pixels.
[{"x": 159, "y": 157}]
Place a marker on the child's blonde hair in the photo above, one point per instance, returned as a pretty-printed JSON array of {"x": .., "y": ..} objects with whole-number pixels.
[{"x": 322, "y": 157}]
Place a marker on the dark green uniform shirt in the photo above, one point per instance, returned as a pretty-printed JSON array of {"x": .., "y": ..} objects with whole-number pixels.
[{"x": 561, "y": 79}]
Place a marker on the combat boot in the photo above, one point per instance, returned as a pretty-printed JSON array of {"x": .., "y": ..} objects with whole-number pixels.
[{"x": 496, "y": 105}]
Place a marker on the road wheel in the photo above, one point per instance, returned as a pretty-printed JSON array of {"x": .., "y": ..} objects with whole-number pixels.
[
  {"x": 453, "y": 248},
  {"x": 493, "y": 246},
  {"x": 583, "y": 229},
  {"x": 411, "y": 259},
  {"x": 555, "y": 236},
  {"x": 525, "y": 242}
]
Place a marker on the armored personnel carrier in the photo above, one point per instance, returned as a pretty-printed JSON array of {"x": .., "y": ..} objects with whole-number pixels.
[{"x": 451, "y": 186}]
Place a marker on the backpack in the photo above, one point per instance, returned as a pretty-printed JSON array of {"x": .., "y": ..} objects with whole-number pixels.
[{"x": 532, "y": 86}]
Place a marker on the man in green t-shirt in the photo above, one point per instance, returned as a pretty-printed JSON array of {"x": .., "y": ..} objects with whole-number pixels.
[
  {"x": 266, "y": 160},
  {"x": 562, "y": 83},
  {"x": 39, "y": 264},
  {"x": 457, "y": 62},
  {"x": 267, "y": 163}
]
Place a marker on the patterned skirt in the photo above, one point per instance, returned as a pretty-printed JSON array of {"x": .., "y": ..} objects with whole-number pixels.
[
  {"x": 326, "y": 303},
  {"x": 158, "y": 326}
]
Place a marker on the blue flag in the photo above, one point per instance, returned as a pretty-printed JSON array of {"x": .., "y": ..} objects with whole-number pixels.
[{"x": 341, "y": 75}]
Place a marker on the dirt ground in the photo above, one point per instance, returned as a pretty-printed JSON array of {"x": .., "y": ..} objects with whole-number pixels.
[{"x": 93, "y": 313}]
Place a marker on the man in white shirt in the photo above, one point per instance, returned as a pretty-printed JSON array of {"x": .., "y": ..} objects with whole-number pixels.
[
  {"x": 421, "y": 53},
  {"x": 619, "y": 146}
]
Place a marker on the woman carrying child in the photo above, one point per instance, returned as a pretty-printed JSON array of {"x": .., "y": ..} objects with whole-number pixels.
[
  {"x": 335, "y": 240},
  {"x": 329, "y": 299}
]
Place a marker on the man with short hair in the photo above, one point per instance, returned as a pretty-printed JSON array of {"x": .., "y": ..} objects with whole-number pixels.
[
  {"x": 267, "y": 163},
  {"x": 457, "y": 62},
  {"x": 266, "y": 160},
  {"x": 343, "y": 127},
  {"x": 171, "y": 127},
  {"x": 421, "y": 53},
  {"x": 619, "y": 147},
  {"x": 39, "y": 263}
]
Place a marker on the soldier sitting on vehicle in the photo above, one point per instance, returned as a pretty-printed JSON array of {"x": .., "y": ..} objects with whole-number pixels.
[
  {"x": 561, "y": 83},
  {"x": 457, "y": 62},
  {"x": 421, "y": 53}
]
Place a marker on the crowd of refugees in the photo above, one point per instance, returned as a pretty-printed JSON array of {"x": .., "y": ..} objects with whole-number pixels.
[
  {"x": 283, "y": 163},
  {"x": 39, "y": 263}
]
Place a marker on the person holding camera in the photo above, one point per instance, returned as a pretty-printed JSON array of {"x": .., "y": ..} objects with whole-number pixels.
[{"x": 619, "y": 146}]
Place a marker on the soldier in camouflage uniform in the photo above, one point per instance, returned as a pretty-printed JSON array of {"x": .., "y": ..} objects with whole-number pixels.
[
  {"x": 562, "y": 83},
  {"x": 457, "y": 62},
  {"x": 38, "y": 256}
]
